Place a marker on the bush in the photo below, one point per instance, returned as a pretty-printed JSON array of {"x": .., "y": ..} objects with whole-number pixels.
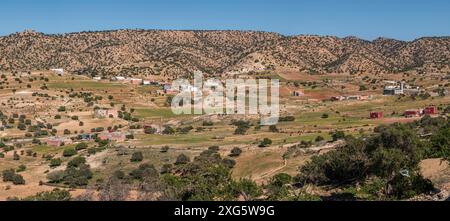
[
  {"x": 273, "y": 129},
  {"x": 18, "y": 180},
  {"x": 76, "y": 162},
  {"x": 54, "y": 195},
  {"x": 207, "y": 123},
  {"x": 137, "y": 157},
  {"x": 346, "y": 165},
  {"x": 21, "y": 168},
  {"x": 8, "y": 175},
  {"x": 69, "y": 152},
  {"x": 81, "y": 146},
  {"x": 144, "y": 171},
  {"x": 235, "y": 152},
  {"x": 402, "y": 187},
  {"x": 11, "y": 176},
  {"x": 214, "y": 149},
  {"x": 150, "y": 130},
  {"x": 246, "y": 187},
  {"x": 278, "y": 188},
  {"x": 164, "y": 149},
  {"x": 242, "y": 127},
  {"x": 168, "y": 130},
  {"x": 56, "y": 162},
  {"x": 287, "y": 118},
  {"x": 166, "y": 168},
  {"x": 56, "y": 176},
  {"x": 265, "y": 142},
  {"x": 77, "y": 176},
  {"x": 319, "y": 138},
  {"x": 16, "y": 156},
  {"x": 92, "y": 151},
  {"x": 440, "y": 143},
  {"x": 338, "y": 135},
  {"x": 182, "y": 159},
  {"x": 185, "y": 130},
  {"x": 229, "y": 163},
  {"x": 119, "y": 174}
]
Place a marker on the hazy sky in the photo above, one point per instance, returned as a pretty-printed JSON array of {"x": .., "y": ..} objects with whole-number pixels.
[{"x": 401, "y": 19}]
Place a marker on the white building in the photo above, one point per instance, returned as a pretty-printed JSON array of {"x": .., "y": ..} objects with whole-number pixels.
[{"x": 58, "y": 71}]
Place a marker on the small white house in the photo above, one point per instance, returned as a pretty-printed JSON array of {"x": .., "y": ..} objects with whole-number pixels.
[{"x": 58, "y": 71}]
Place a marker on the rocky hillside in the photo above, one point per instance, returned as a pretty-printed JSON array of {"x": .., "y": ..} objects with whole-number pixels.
[{"x": 174, "y": 53}]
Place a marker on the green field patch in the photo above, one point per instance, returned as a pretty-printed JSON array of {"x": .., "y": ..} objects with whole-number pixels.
[{"x": 84, "y": 85}]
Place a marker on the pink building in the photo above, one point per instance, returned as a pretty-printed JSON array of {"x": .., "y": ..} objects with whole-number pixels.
[
  {"x": 136, "y": 81},
  {"x": 58, "y": 141},
  {"x": 113, "y": 136}
]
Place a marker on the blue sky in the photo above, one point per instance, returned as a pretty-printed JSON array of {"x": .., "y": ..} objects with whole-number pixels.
[{"x": 368, "y": 19}]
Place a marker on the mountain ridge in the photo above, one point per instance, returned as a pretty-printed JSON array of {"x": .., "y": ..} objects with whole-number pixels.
[{"x": 171, "y": 53}]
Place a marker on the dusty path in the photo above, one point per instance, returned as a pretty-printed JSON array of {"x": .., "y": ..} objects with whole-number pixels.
[{"x": 273, "y": 171}]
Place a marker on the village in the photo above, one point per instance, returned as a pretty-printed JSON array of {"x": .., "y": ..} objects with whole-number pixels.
[{"x": 59, "y": 114}]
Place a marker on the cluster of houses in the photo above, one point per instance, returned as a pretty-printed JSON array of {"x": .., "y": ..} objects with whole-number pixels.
[
  {"x": 351, "y": 97},
  {"x": 430, "y": 110},
  {"x": 166, "y": 87},
  {"x": 394, "y": 88}
]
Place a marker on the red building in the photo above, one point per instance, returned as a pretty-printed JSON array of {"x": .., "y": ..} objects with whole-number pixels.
[
  {"x": 412, "y": 113},
  {"x": 376, "y": 115},
  {"x": 430, "y": 110}
]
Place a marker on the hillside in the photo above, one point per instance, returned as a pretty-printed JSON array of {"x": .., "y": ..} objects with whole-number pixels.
[{"x": 174, "y": 53}]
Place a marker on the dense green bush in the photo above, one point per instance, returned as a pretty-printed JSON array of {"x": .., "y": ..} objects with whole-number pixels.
[
  {"x": 144, "y": 171},
  {"x": 55, "y": 162},
  {"x": 69, "y": 152},
  {"x": 391, "y": 155},
  {"x": 81, "y": 146}
]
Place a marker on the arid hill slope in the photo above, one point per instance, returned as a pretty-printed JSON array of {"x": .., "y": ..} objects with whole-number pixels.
[{"x": 173, "y": 53}]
